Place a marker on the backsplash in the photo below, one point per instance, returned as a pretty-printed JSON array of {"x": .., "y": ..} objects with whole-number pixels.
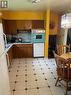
[
  {"x": 22, "y": 36},
  {"x": 25, "y": 36}
]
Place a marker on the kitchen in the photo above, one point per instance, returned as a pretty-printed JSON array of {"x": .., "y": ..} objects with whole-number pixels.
[
  {"x": 13, "y": 50},
  {"x": 27, "y": 26},
  {"x": 19, "y": 20},
  {"x": 26, "y": 42}
]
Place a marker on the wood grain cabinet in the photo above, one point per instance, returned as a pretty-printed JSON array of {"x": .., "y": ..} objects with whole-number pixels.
[
  {"x": 10, "y": 26},
  {"x": 38, "y": 24},
  {"x": 23, "y": 51},
  {"x": 24, "y": 24}
]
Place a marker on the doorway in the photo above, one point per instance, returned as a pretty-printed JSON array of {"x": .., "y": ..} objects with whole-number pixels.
[
  {"x": 69, "y": 37},
  {"x": 52, "y": 45}
]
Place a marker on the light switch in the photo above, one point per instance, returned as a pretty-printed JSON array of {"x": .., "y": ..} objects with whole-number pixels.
[{"x": 3, "y": 4}]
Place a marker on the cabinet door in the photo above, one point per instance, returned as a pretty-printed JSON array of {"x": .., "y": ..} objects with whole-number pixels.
[
  {"x": 1, "y": 39},
  {"x": 17, "y": 52},
  {"x": 28, "y": 24},
  {"x": 38, "y": 49},
  {"x": 24, "y": 24},
  {"x": 38, "y": 24},
  {"x": 10, "y": 26},
  {"x": 23, "y": 51},
  {"x": 27, "y": 51},
  {"x": 30, "y": 51}
]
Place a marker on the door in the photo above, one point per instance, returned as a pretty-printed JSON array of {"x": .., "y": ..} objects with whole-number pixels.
[
  {"x": 38, "y": 49},
  {"x": 1, "y": 39},
  {"x": 52, "y": 45},
  {"x": 4, "y": 78}
]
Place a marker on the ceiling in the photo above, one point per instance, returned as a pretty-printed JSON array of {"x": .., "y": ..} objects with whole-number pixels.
[{"x": 57, "y": 5}]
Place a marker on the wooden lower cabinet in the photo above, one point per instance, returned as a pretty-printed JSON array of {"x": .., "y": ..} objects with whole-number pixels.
[{"x": 23, "y": 51}]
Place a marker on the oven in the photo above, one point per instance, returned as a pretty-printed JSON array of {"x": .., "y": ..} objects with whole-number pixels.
[
  {"x": 38, "y": 36},
  {"x": 38, "y": 39}
]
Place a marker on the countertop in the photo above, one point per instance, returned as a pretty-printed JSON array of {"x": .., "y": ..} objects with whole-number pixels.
[
  {"x": 8, "y": 46},
  {"x": 11, "y": 44}
]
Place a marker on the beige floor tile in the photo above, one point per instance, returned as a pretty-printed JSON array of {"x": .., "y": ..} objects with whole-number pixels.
[
  {"x": 42, "y": 84},
  {"x": 12, "y": 78},
  {"x": 44, "y": 91},
  {"x": 57, "y": 90},
  {"x": 12, "y": 86},
  {"x": 20, "y": 92},
  {"x": 32, "y": 92},
  {"x": 37, "y": 75},
  {"x": 20, "y": 85},
  {"x": 20, "y": 78},
  {"x": 12, "y": 93}
]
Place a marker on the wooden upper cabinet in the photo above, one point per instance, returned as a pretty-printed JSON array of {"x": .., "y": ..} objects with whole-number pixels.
[
  {"x": 38, "y": 24},
  {"x": 30, "y": 24},
  {"x": 24, "y": 24},
  {"x": 9, "y": 26}
]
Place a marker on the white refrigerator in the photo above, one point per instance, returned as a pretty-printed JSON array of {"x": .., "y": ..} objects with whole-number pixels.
[{"x": 4, "y": 77}]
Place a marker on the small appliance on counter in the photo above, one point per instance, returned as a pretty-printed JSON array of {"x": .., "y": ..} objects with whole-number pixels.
[
  {"x": 38, "y": 39},
  {"x": 19, "y": 40}
]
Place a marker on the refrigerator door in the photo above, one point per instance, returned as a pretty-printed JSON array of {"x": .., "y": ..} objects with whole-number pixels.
[
  {"x": 38, "y": 49},
  {"x": 4, "y": 78},
  {"x": 1, "y": 39}
]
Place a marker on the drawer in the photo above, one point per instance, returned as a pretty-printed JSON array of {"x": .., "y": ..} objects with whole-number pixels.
[
  {"x": 19, "y": 45},
  {"x": 24, "y": 45}
]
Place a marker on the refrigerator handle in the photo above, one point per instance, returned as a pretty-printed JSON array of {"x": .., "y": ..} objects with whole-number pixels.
[
  {"x": 8, "y": 61},
  {"x": 5, "y": 40}
]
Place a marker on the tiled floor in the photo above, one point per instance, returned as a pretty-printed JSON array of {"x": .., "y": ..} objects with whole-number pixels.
[{"x": 34, "y": 76}]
